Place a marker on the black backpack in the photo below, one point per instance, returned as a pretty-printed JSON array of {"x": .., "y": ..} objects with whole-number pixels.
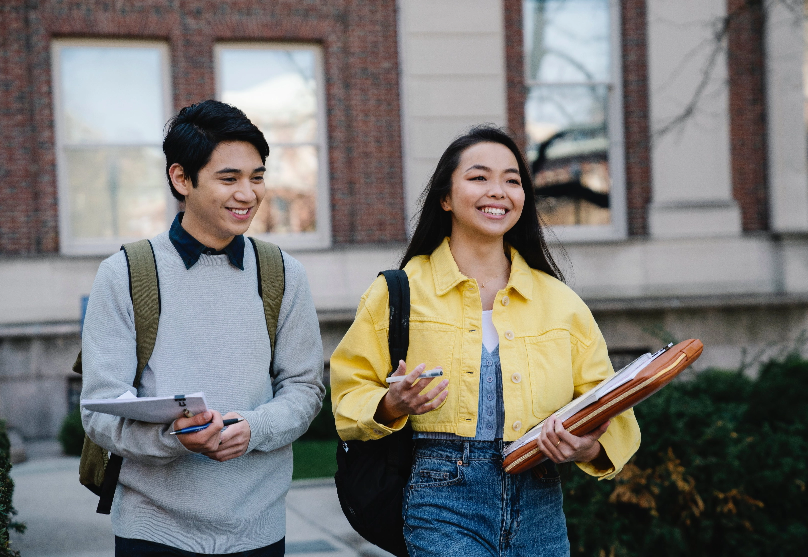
[{"x": 372, "y": 475}]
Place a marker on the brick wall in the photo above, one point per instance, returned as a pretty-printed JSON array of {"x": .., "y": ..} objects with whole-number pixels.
[
  {"x": 362, "y": 97},
  {"x": 747, "y": 112},
  {"x": 515, "y": 69},
  {"x": 636, "y": 115}
]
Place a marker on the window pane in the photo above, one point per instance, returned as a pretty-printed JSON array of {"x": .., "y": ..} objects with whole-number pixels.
[
  {"x": 290, "y": 204},
  {"x": 116, "y": 191},
  {"x": 569, "y": 152},
  {"x": 111, "y": 95},
  {"x": 567, "y": 40},
  {"x": 276, "y": 89}
]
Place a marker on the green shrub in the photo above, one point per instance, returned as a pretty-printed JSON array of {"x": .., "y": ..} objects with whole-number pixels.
[
  {"x": 6, "y": 491},
  {"x": 71, "y": 434},
  {"x": 721, "y": 471}
]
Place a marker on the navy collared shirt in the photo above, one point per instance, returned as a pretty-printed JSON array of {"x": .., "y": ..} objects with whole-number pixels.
[{"x": 190, "y": 248}]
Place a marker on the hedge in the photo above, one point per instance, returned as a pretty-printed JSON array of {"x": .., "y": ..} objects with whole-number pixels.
[
  {"x": 721, "y": 471},
  {"x": 6, "y": 491}
]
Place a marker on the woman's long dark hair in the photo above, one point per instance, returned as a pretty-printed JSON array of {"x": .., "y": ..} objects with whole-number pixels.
[{"x": 434, "y": 224}]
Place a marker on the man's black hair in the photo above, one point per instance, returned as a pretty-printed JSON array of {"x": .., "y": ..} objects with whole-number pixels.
[{"x": 195, "y": 132}]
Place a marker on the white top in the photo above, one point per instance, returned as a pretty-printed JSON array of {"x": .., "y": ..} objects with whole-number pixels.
[{"x": 490, "y": 335}]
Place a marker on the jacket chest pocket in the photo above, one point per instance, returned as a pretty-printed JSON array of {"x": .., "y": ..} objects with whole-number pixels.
[
  {"x": 549, "y": 360},
  {"x": 431, "y": 344}
]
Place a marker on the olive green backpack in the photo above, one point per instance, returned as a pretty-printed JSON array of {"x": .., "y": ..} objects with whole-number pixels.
[{"x": 98, "y": 470}]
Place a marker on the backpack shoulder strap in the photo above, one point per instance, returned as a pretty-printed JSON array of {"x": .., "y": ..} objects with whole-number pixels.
[
  {"x": 271, "y": 285},
  {"x": 398, "y": 338},
  {"x": 144, "y": 288}
]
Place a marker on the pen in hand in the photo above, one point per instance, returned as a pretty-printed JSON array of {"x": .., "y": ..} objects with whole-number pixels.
[
  {"x": 195, "y": 428},
  {"x": 437, "y": 372}
]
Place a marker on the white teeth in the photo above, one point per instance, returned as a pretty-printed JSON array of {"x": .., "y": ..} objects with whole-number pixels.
[
  {"x": 240, "y": 211},
  {"x": 493, "y": 211}
]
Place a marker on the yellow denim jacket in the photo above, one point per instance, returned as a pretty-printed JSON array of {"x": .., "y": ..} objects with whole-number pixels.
[{"x": 550, "y": 350}]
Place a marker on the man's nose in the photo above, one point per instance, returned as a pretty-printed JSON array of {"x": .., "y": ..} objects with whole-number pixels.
[{"x": 244, "y": 192}]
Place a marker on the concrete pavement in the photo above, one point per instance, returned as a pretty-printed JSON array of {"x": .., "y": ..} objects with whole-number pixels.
[{"x": 61, "y": 519}]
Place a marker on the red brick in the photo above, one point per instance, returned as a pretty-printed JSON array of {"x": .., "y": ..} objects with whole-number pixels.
[{"x": 359, "y": 41}]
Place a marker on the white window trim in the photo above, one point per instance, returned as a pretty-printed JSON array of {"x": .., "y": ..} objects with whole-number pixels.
[
  {"x": 102, "y": 246},
  {"x": 302, "y": 240},
  {"x": 618, "y": 228}
]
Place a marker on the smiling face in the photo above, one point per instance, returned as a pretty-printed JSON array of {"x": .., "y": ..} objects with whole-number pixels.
[
  {"x": 229, "y": 190},
  {"x": 486, "y": 198}
]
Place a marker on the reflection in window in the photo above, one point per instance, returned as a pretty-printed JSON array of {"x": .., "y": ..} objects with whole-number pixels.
[
  {"x": 277, "y": 87},
  {"x": 110, "y": 112},
  {"x": 568, "y": 74}
]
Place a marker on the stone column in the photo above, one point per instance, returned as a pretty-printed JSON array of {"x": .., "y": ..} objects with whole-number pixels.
[
  {"x": 689, "y": 105},
  {"x": 452, "y": 77}
]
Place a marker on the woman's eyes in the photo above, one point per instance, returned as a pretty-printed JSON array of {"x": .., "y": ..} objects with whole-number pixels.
[{"x": 513, "y": 181}]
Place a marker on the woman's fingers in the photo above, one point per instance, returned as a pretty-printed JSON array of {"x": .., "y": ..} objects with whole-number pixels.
[{"x": 412, "y": 376}]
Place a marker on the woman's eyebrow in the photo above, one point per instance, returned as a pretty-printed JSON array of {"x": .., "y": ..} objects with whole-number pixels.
[
  {"x": 486, "y": 169},
  {"x": 478, "y": 167}
]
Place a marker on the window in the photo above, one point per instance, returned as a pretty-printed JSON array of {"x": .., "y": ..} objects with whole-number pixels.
[
  {"x": 280, "y": 88},
  {"x": 573, "y": 115},
  {"x": 111, "y": 103}
]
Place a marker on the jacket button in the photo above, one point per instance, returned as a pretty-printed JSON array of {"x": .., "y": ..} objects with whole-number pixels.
[
  {"x": 505, "y": 300},
  {"x": 516, "y": 377},
  {"x": 509, "y": 335},
  {"x": 517, "y": 425}
]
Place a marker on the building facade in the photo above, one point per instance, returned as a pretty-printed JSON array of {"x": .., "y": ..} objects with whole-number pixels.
[{"x": 668, "y": 142}]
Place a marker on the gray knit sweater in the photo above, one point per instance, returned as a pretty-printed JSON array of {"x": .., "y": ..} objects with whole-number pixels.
[{"x": 212, "y": 337}]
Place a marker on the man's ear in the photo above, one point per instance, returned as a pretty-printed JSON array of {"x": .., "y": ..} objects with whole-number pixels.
[{"x": 180, "y": 180}]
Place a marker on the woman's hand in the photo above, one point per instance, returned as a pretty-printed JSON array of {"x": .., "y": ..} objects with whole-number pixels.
[
  {"x": 405, "y": 398},
  {"x": 559, "y": 445}
]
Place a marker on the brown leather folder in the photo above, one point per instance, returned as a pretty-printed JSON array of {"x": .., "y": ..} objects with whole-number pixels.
[{"x": 656, "y": 374}]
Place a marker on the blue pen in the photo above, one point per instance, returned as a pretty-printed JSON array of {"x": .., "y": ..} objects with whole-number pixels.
[{"x": 195, "y": 428}]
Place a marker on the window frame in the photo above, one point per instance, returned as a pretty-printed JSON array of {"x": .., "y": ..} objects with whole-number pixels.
[
  {"x": 68, "y": 244},
  {"x": 322, "y": 237},
  {"x": 618, "y": 227}
]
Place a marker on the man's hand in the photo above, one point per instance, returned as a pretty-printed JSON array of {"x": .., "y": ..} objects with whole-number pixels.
[
  {"x": 559, "y": 445},
  {"x": 233, "y": 441},
  {"x": 205, "y": 440},
  {"x": 405, "y": 398}
]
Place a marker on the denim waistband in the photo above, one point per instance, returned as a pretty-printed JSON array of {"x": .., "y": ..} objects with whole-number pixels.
[{"x": 465, "y": 451}]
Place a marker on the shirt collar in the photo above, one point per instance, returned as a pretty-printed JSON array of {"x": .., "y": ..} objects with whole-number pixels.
[
  {"x": 190, "y": 248},
  {"x": 447, "y": 275}
]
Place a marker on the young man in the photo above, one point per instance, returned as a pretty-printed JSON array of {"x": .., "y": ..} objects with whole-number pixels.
[{"x": 220, "y": 490}]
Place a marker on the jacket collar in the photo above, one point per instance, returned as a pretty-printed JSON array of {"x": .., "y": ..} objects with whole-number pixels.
[
  {"x": 190, "y": 248},
  {"x": 447, "y": 275}
]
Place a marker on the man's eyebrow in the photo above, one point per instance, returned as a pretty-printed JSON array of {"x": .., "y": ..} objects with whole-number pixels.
[{"x": 238, "y": 171}]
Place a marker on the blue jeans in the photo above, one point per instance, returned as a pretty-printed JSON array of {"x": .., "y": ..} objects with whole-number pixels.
[{"x": 460, "y": 502}]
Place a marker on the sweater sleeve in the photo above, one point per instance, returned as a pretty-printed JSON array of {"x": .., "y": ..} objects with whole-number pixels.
[
  {"x": 109, "y": 363},
  {"x": 298, "y": 385}
]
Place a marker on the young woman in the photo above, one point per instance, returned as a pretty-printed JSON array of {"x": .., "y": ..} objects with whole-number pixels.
[{"x": 515, "y": 344}]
